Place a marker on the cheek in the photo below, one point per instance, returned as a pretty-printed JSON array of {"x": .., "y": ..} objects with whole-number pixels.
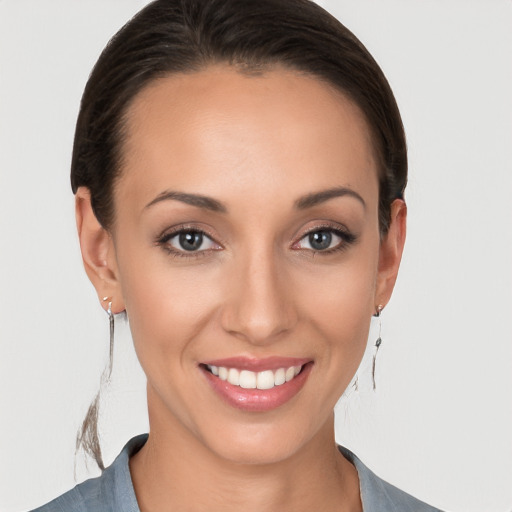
[
  {"x": 339, "y": 304},
  {"x": 171, "y": 305},
  {"x": 340, "y": 299},
  {"x": 167, "y": 304}
]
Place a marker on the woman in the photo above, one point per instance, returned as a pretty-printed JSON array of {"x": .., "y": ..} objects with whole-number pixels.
[{"x": 239, "y": 170}]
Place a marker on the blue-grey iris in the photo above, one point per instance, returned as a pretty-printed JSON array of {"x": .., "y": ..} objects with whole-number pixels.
[
  {"x": 191, "y": 240},
  {"x": 320, "y": 240}
]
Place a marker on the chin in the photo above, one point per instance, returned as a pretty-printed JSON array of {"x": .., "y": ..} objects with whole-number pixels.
[
  {"x": 247, "y": 452},
  {"x": 260, "y": 443}
]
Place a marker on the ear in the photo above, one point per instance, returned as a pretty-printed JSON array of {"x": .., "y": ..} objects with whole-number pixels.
[
  {"x": 98, "y": 253},
  {"x": 390, "y": 253}
]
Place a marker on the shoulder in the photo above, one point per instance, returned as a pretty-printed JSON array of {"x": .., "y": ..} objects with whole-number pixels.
[
  {"x": 83, "y": 498},
  {"x": 112, "y": 491},
  {"x": 378, "y": 495}
]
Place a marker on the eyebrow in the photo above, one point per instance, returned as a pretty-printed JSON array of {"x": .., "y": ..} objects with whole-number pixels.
[
  {"x": 208, "y": 203},
  {"x": 315, "y": 198},
  {"x": 200, "y": 201}
]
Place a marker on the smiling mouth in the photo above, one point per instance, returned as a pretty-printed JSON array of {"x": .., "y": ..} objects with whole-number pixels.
[
  {"x": 257, "y": 385},
  {"x": 247, "y": 379}
]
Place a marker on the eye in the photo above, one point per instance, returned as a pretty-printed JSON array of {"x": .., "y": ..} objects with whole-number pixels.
[
  {"x": 320, "y": 240},
  {"x": 325, "y": 239},
  {"x": 189, "y": 241}
]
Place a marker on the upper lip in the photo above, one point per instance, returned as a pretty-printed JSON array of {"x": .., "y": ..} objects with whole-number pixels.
[{"x": 256, "y": 364}]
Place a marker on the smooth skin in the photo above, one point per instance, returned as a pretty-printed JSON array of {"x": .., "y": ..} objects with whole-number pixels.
[{"x": 261, "y": 150}]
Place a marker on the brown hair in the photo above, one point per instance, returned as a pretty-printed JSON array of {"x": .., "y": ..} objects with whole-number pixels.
[{"x": 173, "y": 36}]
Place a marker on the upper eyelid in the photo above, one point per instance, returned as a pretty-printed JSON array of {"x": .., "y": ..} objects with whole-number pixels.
[
  {"x": 335, "y": 227},
  {"x": 347, "y": 237},
  {"x": 163, "y": 241},
  {"x": 325, "y": 228},
  {"x": 169, "y": 233},
  {"x": 338, "y": 232}
]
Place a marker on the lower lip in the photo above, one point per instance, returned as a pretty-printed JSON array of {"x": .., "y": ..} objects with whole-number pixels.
[{"x": 258, "y": 400}]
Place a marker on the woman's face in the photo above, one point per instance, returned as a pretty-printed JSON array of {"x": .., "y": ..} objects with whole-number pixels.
[{"x": 245, "y": 243}]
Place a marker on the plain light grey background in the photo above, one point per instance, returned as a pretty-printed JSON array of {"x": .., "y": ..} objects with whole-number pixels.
[{"x": 439, "y": 424}]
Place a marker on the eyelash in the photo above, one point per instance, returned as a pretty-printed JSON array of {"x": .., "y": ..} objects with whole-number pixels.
[
  {"x": 347, "y": 239},
  {"x": 163, "y": 241}
]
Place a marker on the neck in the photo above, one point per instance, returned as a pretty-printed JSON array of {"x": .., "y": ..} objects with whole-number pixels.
[{"x": 176, "y": 471}]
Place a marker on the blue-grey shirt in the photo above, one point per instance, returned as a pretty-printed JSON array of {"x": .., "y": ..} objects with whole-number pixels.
[{"x": 113, "y": 490}]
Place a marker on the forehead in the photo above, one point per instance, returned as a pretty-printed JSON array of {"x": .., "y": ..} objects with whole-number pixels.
[{"x": 218, "y": 130}]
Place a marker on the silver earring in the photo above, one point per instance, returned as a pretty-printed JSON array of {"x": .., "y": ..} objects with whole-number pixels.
[
  {"x": 111, "y": 329},
  {"x": 378, "y": 342}
]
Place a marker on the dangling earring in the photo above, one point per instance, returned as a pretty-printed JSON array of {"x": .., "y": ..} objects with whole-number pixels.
[
  {"x": 111, "y": 329},
  {"x": 378, "y": 342}
]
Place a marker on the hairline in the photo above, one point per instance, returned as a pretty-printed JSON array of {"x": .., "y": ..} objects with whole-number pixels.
[{"x": 250, "y": 70}]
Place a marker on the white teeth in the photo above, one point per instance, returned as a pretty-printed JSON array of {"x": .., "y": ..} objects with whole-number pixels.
[
  {"x": 246, "y": 379},
  {"x": 280, "y": 377},
  {"x": 234, "y": 377},
  {"x": 266, "y": 379}
]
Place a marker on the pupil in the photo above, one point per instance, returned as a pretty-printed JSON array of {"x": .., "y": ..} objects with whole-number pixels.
[
  {"x": 320, "y": 240},
  {"x": 191, "y": 241}
]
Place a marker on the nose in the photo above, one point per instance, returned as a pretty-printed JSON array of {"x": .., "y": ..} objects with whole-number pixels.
[{"x": 259, "y": 306}]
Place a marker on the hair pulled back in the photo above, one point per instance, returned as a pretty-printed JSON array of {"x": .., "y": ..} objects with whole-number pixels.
[{"x": 182, "y": 36}]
